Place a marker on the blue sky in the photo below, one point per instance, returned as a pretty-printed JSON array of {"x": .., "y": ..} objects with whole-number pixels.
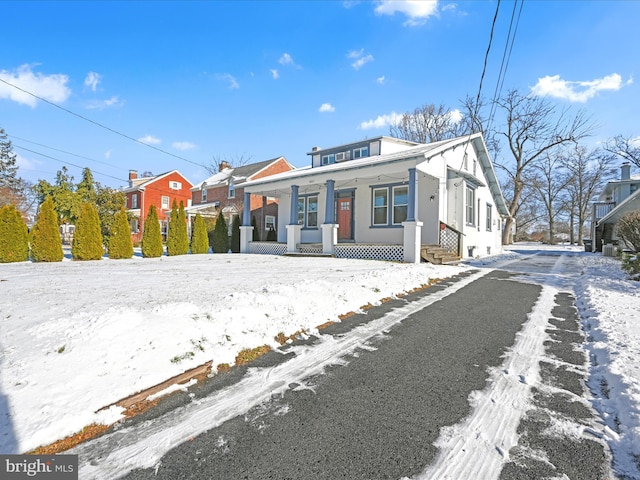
[{"x": 260, "y": 79}]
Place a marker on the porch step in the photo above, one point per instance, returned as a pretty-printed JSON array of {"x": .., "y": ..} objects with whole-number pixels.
[{"x": 437, "y": 255}]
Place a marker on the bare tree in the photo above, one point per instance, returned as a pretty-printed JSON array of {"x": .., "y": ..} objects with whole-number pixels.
[
  {"x": 429, "y": 123},
  {"x": 218, "y": 163},
  {"x": 532, "y": 128},
  {"x": 550, "y": 181},
  {"x": 588, "y": 171},
  {"x": 626, "y": 147}
]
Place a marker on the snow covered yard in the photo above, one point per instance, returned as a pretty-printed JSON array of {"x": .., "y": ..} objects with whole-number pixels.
[{"x": 78, "y": 336}]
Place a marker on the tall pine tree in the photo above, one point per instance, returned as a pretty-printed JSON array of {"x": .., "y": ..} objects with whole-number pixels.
[
  {"x": 46, "y": 243},
  {"x": 120, "y": 244},
  {"x": 87, "y": 237},
  {"x": 14, "y": 236},
  {"x": 199, "y": 237},
  {"x": 151, "y": 235}
]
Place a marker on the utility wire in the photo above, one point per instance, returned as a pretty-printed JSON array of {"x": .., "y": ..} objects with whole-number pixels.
[
  {"x": 67, "y": 163},
  {"x": 100, "y": 124},
  {"x": 486, "y": 59},
  {"x": 506, "y": 56},
  {"x": 67, "y": 153}
]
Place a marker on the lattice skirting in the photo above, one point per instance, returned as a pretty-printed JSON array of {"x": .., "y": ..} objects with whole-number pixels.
[
  {"x": 268, "y": 248},
  {"x": 309, "y": 248},
  {"x": 371, "y": 252}
]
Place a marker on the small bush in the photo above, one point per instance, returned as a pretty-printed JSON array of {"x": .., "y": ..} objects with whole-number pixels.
[
  {"x": 631, "y": 265},
  {"x": 151, "y": 235},
  {"x": 14, "y": 236},
  {"x": 628, "y": 230},
  {"x": 255, "y": 237},
  {"x": 235, "y": 234},
  {"x": 46, "y": 243},
  {"x": 272, "y": 236}
]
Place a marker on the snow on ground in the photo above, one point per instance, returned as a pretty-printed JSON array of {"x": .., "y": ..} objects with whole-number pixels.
[{"x": 77, "y": 336}]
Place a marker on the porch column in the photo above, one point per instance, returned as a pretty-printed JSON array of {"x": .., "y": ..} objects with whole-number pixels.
[
  {"x": 413, "y": 190},
  {"x": 329, "y": 227},
  {"x": 246, "y": 230},
  {"x": 412, "y": 241},
  {"x": 293, "y": 229},
  {"x": 246, "y": 210}
]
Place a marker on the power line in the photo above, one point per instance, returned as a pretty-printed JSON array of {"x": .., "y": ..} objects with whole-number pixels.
[
  {"x": 486, "y": 59},
  {"x": 100, "y": 124},
  {"x": 67, "y": 163},
  {"x": 506, "y": 56},
  {"x": 67, "y": 153}
]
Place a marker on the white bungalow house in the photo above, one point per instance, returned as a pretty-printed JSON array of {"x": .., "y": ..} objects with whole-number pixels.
[
  {"x": 618, "y": 198},
  {"x": 389, "y": 199}
]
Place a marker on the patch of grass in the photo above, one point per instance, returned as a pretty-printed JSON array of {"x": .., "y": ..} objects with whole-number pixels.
[
  {"x": 61, "y": 349},
  {"x": 223, "y": 367},
  {"x": 281, "y": 338},
  {"x": 325, "y": 324},
  {"x": 87, "y": 433},
  {"x": 249, "y": 354}
]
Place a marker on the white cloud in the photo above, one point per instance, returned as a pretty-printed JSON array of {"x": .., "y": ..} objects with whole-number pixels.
[
  {"x": 577, "y": 91},
  {"x": 112, "y": 102},
  {"x": 92, "y": 80},
  {"x": 150, "y": 139},
  {"x": 382, "y": 121},
  {"x": 50, "y": 87},
  {"x": 274, "y": 73},
  {"x": 380, "y": 80},
  {"x": 327, "y": 107},
  {"x": 417, "y": 11},
  {"x": 183, "y": 145},
  {"x": 286, "y": 59},
  {"x": 233, "y": 83},
  {"x": 360, "y": 58},
  {"x": 455, "y": 116}
]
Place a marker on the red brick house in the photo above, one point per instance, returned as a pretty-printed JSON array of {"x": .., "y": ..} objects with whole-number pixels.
[
  {"x": 159, "y": 190},
  {"x": 224, "y": 192}
]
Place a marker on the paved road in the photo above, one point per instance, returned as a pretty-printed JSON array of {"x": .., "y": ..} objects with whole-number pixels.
[{"x": 404, "y": 371}]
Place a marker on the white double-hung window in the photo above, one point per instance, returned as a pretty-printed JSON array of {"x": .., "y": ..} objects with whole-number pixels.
[
  {"x": 470, "y": 206},
  {"x": 308, "y": 211},
  {"x": 389, "y": 205}
]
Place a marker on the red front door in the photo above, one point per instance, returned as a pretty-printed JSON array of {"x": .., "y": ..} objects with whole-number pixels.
[{"x": 345, "y": 217}]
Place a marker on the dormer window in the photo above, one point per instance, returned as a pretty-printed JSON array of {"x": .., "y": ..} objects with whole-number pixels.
[
  {"x": 232, "y": 189},
  {"x": 342, "y": 156},
  {"x": 360, "y": 152},
  {"x": 328, "y": 159}
]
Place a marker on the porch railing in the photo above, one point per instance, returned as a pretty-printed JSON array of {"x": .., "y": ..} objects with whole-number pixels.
[
  {"x": 601, "y": 209},
  {"x": 451, "y": 239}
]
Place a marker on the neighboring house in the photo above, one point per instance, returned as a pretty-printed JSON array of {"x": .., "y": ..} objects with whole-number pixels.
[
  {"x": 224, "y": 192},
  {"x": 618, "y": 198},
  {"x": 159, "y": 190},
  {"x": 389, "y": 199}
]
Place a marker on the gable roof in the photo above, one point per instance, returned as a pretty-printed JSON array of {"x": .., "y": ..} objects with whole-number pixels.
[
  {"x": 399, "y": 141},
  {"x": 142, "y": 183},
  {"x": 421, "y": 153},
  {"x": 239, "y": 174},
  {"x": 629, "y": 204}
]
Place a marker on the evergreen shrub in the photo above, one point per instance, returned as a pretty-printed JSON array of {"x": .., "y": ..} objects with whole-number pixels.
[
  {"x": 199, "y": 237},
  {"x": 235, "y": 234},
  {"x": 221, "y": 235},
  {"x": 14, "y": 236},
  {"x": 120, "y": 244},
  {"x": 151, "y": 235},
  {"x": 87, "y": 237},
  {"x": 46, "y": 243},
  {"x": 177, "y": 238}
]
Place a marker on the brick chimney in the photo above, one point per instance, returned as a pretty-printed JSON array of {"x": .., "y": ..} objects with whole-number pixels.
[
  {"x": 224, "y": 164},
  {"x": 133, "y": 174}
]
